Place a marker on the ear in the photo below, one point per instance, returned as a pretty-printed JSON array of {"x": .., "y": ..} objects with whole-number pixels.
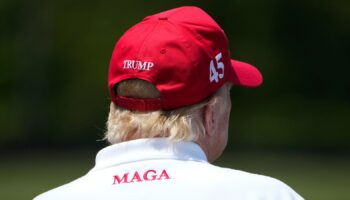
[{"x": 209, "y": 121}]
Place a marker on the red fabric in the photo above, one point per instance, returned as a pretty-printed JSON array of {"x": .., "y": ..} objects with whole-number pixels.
[
  {"x": 245, "y": 74},
  {"x": 174, "y": 51}
]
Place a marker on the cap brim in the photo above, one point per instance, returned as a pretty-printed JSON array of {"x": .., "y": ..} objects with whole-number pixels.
[{"x": 245, "y": 75}]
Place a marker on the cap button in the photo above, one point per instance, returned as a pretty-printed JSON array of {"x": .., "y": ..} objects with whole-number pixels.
[{"x": 162, "y": 18}]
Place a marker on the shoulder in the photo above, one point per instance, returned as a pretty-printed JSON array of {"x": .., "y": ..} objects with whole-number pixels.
[
  {"x": 231, "y": 181},
  {"x": 51, "y": 194},
  {"x": 65, "y": 191}
]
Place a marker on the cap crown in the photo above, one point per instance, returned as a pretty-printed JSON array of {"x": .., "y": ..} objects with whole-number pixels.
[{"x": 183, "y": 52}]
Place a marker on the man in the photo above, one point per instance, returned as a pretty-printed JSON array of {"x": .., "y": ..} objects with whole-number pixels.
[{"x": 170, "y": 77}]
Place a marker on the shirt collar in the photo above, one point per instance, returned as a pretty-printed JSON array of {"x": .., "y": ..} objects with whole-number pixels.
[{"x": 148, "y": 149}]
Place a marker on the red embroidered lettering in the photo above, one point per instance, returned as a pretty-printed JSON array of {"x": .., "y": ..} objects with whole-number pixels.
[
  {"x": 149, "y": 175},
  {"x": 163, "y": 174},
  {"x": 124, "y": 179},
  {"x": 136, "y": 177},
  {"x": 153, "y": 177}
]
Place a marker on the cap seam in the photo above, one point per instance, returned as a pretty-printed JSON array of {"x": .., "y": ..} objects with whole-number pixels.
[{"x": 142, "y": 46}]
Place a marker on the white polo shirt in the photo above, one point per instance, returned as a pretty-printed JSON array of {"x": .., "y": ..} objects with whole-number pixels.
[{"x": 159, "y": 169}]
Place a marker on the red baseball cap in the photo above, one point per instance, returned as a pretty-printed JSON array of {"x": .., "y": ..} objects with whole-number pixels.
[{"x": 184, "y": 53}]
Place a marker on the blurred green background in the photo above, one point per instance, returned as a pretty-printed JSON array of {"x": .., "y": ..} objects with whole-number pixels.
[{"x": 54, "y": 101}]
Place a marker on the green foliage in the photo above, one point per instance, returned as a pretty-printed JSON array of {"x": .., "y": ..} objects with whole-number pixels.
[{"x": 54, "y": 59}]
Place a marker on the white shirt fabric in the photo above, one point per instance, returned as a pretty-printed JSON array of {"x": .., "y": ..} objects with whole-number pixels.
[{"x": 159, "y": 169}]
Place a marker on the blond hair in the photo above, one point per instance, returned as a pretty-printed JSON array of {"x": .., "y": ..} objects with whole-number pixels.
[{"x": 185, "y": 124}]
